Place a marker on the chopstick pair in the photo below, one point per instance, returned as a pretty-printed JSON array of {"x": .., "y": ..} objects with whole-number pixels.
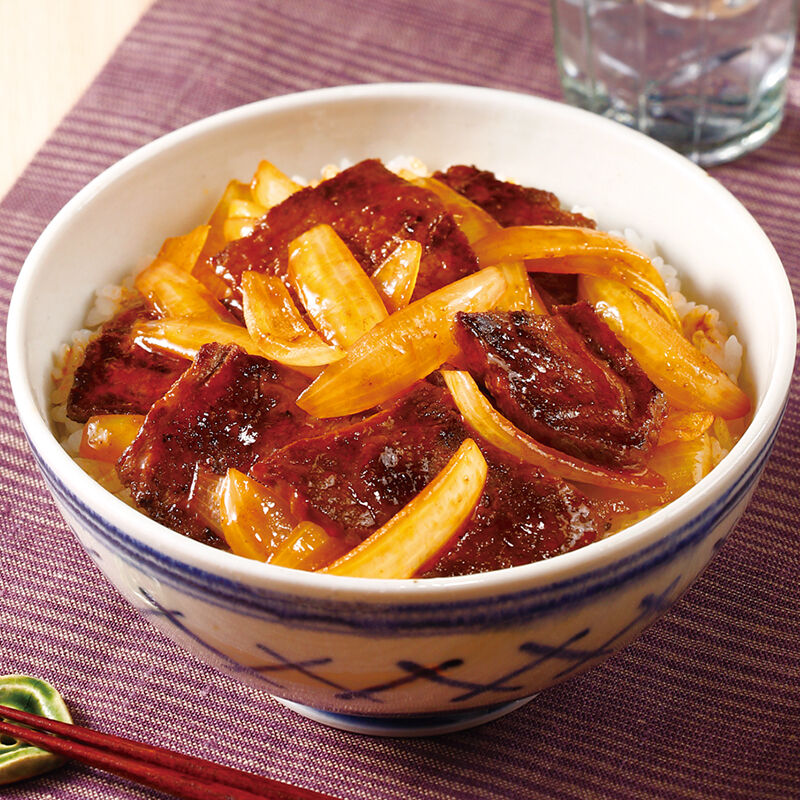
[{"x": 156, "y": 767}]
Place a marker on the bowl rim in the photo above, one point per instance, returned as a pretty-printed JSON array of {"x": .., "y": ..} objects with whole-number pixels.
[{"x": 212, "y": 561}]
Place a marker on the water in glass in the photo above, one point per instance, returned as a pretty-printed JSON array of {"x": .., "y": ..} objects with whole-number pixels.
[{"x": 706, "y": 77}]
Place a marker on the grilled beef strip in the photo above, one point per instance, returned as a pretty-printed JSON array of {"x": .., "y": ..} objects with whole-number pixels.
[
  {"x": 117, "y": 376},
  {"x": 566, "y": 380},
  {"x": 373, "y": 210},
  {"x": 511, "y": 204},
  {"x": 227, "y": 410},
  {"x": 354, "y": 479}
]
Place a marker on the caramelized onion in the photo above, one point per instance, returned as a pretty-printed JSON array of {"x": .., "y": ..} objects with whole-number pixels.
[
  {"x": 215, "y": 241},
  {"x": 308, "y": 547},
  {"x": 105, "y": 436},
  {"x": 583, "y": 251},
  {"x": 689, "y": 379},
  {"x": 396, "y": 277},
  {"x": 336, "y": 292},
  {"x": 174, "y": 292},
  {"x": 496, "y": 429},
  {"x": 270, "y": 186},
  {"x": 277, "y": 327},
  {"x": 253, "y": 519},
  {"x": 682, "y": 425},
  {"x": 401, "y": 350},
  {"x": 476, "y": 224},
  {"x": 185, "y": 337},
  {"x": 683, "y": 464},
  {"x": 183, "y": 251},
  {"x": 420, "y": 530}
]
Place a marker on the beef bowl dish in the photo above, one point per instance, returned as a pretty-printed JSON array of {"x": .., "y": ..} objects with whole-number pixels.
[{"x": 449, "y": 412}]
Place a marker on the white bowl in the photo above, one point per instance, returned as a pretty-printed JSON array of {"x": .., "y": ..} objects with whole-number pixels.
[{"x": 406, "y": 656}]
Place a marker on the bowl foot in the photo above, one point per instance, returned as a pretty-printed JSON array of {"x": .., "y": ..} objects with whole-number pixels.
[{"x": 423, "y": 725}]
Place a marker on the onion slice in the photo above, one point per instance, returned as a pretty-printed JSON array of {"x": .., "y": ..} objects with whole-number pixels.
[
  {"x": 683, "y": 464},
  {"x": 476, "y": 224},
  {"x": 584, "y": 251},
  {"x": 396, "y": 277},
  {"x": 682, "y": 425},
  {"x": 105, "y": 436},
  {"x": 174, "y": 292},
  {"x": 420, "y": 530},
  {"x": 185, "y": 337},
  {"x": 215, "y": 241},
  {"x": 308, "y": 547},
  {"x": 496, "y": 429},
  {"x": 238, "y": 227},
  {"x": 183, "y": 251},
  {"x": 689, "y": 379},
  {"x": 401, "y": 350},
  {"x": 338, "y": 295},
  {"x": 253, "y": 519},
  {"x": 241, "y": 208},
  {"x": 277, "y": 327},
  {"x": 270, "y": 186}
]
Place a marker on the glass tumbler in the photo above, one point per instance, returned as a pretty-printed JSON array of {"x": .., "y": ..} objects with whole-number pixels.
[{"x": 706, "y": 77}]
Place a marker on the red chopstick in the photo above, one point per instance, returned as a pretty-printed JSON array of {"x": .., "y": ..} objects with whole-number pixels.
[{"x": 166, "y": 770}]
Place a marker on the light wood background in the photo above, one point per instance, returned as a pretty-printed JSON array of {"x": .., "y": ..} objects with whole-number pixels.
[{"x": 50, "y": 50}]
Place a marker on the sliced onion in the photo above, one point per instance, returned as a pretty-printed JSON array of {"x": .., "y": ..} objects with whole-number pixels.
[
  {"x": 476, "y": 224},
  {"x": 396, "y": 277},
  {"x": 584, "y": 251},
  {"x": 235, "y": 190},
  {"x": 183, "y": 251},
  {"x": 496, "y": 429},
  {"x": 106, "y": 436},
  {"x": 238, "y": 227},
  {"x": 203, "y": 499},
  {"x": 270, "y": 186},
  {"x": 336, "y": 292},
  {"x": 521, "y": 294},
  {"x": 174, "y": 292},
  {"x": 689, "y": 379},
  {"x": 683, "y": 464},
  {"x": 185, "y": 337},
  {"x": 254, "y": 520},
  {"x": 241, "y": 208},
  {"x": 308, "y": 547},
  {"x": 424, "y": 526},
  {"x": 277, "y": 327},
  {"x": 682, "y": 425},
  {"x": 401, "y": 350}
]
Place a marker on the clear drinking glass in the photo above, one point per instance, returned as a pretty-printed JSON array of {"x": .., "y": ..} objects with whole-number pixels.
[{"x": 706, "y": 77}]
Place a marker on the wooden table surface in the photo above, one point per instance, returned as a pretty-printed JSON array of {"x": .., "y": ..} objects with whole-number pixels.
[{"x": 50, "y": 50}]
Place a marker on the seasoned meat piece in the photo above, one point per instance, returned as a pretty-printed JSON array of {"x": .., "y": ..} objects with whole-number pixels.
[
  {"x": 512, "y": 204},
  {"x": 566, "y": 380},
  {"x": 509, "y": 203},
  {"x": 119, "y": 377},
  {"x": 227, "y": 410},
  {"x": 522, "y": 516},
  {"x": 372, "y": 210},
  {"x": 353, "y": 480}
]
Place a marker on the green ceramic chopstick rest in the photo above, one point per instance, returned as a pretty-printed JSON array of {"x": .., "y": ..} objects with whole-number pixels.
[{"x": 17, "y": 759}]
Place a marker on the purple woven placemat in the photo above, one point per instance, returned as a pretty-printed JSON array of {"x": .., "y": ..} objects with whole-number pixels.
[{"x": 705, "y": 704}]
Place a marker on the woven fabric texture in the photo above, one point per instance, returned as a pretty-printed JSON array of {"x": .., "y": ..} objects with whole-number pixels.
[{"x": 706, "y": 704}]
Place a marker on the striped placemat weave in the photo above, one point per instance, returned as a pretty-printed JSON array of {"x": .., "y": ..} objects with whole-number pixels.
[{"x": 706, "y": 704}]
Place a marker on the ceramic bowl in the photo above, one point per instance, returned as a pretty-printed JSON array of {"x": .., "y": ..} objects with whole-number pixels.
[{"x": 409, "y": 656}]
